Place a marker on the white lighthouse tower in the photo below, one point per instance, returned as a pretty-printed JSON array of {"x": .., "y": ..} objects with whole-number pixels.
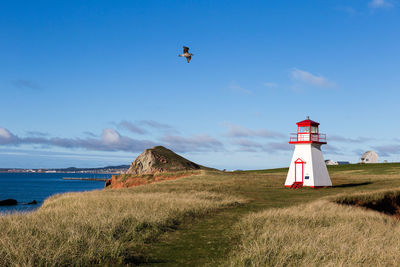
[{"x": 307, "y": 167}]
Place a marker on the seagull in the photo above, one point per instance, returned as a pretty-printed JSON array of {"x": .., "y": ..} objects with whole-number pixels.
[{"x": 186, "y": 54}]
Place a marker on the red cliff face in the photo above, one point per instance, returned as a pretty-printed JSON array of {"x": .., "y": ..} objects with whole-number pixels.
[{"x": 153, "y": 165}]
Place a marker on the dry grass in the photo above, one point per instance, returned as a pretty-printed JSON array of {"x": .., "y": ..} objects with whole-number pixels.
[
  {"x": 129, "y": 180},
  {"x": 117, "y": 227},
  {"x": 320, "y": 233},
  {"x": 367, "y": 197},
  {"x": 98, "y": 227}
]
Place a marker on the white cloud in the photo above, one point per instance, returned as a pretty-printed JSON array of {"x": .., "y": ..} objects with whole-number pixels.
[
  {"x": 360, "y": 139},
  {"x": 157, "y": 125},
  {"x": 138, "y": 127},
  {"x": 193, "y": 143},
  {"x": 110, "y": 140},
  {"x": 4, "y": 133},
  {"x": 387, "y": 150},
  {"x": 380, "y": 4},
  {"x": 130, "y": 127},
  {"x": 278, "y": 146},
  {"x": 237, "y": 131},
  {"x": 247, "y": 145},
  {"x": 6, "y": 137},
  {"x": 308, "y": 78},
  {"x": 110, "y": 136}
]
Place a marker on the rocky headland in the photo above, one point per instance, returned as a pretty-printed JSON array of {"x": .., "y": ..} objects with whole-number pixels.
[{"x": 153, "y": 165}]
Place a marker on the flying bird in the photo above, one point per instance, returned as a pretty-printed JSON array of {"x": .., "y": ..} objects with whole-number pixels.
[{"x": 186, "y": 54}]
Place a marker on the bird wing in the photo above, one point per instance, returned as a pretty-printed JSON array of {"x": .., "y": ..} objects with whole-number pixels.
[
  {"x": 188, "y": 59},
  {"x": 185, "y": 49}
]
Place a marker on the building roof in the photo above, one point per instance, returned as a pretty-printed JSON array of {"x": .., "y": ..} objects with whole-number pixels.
[{"x": 307, "y": 122}]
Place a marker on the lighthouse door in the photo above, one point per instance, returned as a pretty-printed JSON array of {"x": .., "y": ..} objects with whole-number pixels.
[{"x": 299, "y": 172}]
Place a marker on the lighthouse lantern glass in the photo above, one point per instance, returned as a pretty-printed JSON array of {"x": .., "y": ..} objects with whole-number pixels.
[
  {"x": 314, "y": 129},
  {"x": 305, "y": 129},
  {"x": 307, "y": 132}
]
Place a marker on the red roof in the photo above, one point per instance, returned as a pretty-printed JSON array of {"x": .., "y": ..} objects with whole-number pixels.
[{"x": 307, "y": 122}]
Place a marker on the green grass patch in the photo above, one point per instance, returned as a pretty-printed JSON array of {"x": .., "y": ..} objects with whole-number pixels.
[
  {"x": 276, "y": 170},
  {"x": 371, "y": 168}
]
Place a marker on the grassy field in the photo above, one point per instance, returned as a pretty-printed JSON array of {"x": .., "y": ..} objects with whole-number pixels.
[
  {"x": 320, "y": 233},
  {"x": 242, "y": 218},
  {"x": 99, "y": 227}
]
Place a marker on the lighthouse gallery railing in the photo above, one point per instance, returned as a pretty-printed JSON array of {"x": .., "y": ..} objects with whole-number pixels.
[{"x": 307, "y": 137}]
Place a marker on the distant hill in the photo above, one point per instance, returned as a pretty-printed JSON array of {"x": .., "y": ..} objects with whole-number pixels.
[
  {"x": 74, "y": 169},
  {"x": 160, "y": 159},
  {"x": 107, "y": 169}
]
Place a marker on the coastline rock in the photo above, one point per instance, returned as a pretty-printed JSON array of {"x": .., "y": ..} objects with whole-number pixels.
[
  {"x": 33, "y": 202},
  {"x": 160, "y": 159},
  {"x": 8, "y": 202},
  {"x": 154, "y": 165},
  {"x": 108, "y": 183}
]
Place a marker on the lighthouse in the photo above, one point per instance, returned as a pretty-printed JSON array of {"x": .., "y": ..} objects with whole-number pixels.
[{"x": 307, "y": 167}]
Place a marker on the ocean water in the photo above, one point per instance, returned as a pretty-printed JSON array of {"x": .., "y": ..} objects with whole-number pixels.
[{"x": 26, "y": 187}]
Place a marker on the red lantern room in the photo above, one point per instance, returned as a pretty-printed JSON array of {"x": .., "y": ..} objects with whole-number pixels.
[{"x": 307, "y": 133}]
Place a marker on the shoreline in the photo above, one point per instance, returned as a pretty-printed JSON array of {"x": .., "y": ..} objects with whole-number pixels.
[{"x": 85, "y": 179}]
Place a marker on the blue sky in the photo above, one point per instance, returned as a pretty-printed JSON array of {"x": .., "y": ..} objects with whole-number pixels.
[{"x": 94, "y": 83}]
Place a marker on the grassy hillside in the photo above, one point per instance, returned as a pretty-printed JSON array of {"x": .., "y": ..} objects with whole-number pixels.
[{"x": 216, "y": 218}]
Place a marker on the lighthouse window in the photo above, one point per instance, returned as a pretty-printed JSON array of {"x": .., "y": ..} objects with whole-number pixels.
[
  {"x": 314, "y": 129},
  {"x": 304, "y": 129}
]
